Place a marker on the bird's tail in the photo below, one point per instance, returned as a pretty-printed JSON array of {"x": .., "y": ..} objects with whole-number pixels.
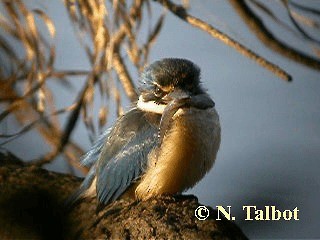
[{"x": 86, "y": 189}]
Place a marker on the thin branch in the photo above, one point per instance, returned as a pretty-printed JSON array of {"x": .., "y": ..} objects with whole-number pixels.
[
  {"x": 124, "y": 77},
  {"x": 257, "y": 26},
  {"x": 62, "y": 74},
  {"x": 181, "y": 12},
  {"x": 48, "y": 158},
  {"x": 114, "y": 54},
  {"x": 74, "y": 115},
  {"x": 49, "y": 132},
  {"x": 295, "y": 23},
  {"x": 307, "y": 21},
  {"x": 304, "y": 8}
]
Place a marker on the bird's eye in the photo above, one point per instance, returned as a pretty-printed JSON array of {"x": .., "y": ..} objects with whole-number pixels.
[{"x": 158, "y": 92}]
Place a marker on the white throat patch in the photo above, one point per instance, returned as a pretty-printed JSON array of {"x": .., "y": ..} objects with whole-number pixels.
[{"x": 150, "y": 106}]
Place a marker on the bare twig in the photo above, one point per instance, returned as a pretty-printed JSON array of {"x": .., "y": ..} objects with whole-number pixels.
[
  {"x": 295, "y": 23},
  {"x": 266, "y": 37},
  {"x": 68, "y": 73},
  {"x": 36, "y": 67},
  {"x": 304, "y": 8},
  {"x": 180, "y": 12},
  {"x": 124, "y": 77},
  {"x": 50, "y": 133}
]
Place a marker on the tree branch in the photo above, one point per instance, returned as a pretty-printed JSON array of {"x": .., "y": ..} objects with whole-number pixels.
[
  {"x": 33, "y": 206},
  {"x": 257, "y": 26},
  {"x": 181, "y": 12},
  {"x": 124, "y": 77},
  {"x": 50, "y": 133}
]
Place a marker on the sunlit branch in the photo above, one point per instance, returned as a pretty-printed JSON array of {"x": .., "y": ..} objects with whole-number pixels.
[
  {"x": 181, "y": 12},
  {"x": 266, "y": 37}
]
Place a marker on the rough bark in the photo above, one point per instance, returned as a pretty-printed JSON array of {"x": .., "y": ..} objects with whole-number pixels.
[{"x": 32, "y": 206}]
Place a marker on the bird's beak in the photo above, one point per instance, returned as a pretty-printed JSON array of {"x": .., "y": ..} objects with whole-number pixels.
[
  {"x": 177, "y": 95},
  {"x": 179, "y": 98}
]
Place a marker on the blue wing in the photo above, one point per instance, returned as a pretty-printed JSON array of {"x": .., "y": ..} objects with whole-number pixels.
[
  {"x": 124, "y": 157},
  {"x": 88, "y": 160},
  {"x": 119, "y": 156},
  {"x": 92, "y": 155}
]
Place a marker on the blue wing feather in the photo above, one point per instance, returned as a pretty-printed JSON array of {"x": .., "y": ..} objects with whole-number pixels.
[
  {"x": 116, "y": 174},
  {"x": 92, "y": 155},
  {"x": 83, "y": 187},
  {"x": 119, "y": 156}
]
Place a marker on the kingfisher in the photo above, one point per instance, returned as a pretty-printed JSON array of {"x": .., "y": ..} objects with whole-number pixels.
[{"x": 164, "y": 144}]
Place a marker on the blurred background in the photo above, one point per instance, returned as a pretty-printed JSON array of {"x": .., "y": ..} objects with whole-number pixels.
[{"x": 270, "y": 147}]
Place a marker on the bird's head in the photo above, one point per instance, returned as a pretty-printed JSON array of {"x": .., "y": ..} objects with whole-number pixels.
[{"x": 167, "y": 80}]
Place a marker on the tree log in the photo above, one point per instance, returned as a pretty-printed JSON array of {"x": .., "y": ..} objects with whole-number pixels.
[{"x": 33, "y": 206}]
